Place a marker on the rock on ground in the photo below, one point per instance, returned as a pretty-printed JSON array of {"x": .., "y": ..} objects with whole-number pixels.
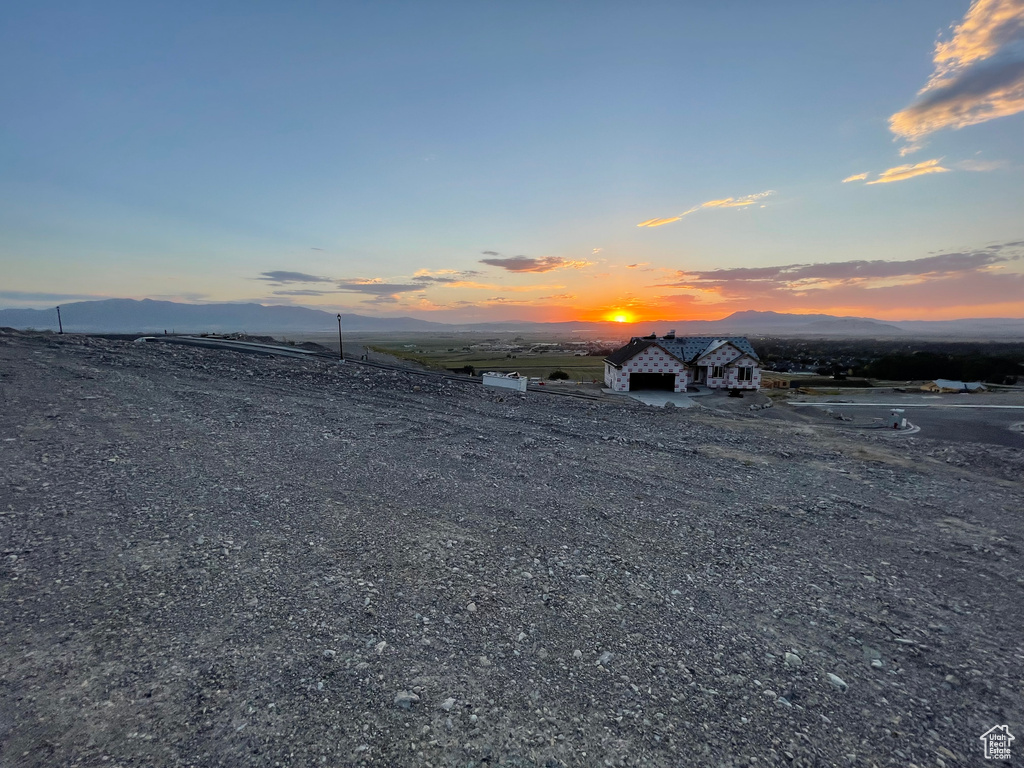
[{"x": 212, "y": 559}]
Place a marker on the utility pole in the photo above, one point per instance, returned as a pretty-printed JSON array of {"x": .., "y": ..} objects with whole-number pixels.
[
  {"x": 341, "y": 348},
  {"x": 59, "y": 323}
]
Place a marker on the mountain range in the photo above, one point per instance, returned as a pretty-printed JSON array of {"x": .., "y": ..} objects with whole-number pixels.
[{"x": 149, "y": 316}]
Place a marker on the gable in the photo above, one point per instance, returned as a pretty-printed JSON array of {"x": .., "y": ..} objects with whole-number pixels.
[
  {"x": 654, "y": 350},
  {"x": 621, "y": 356},
  {"x": 742, "y": 360},
  {"x": 720, "y": 352}
]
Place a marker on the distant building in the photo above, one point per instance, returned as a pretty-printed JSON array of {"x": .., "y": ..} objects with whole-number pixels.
[
  {"x": 673, "y": 363},
  {"x": 948, "y": 385}
]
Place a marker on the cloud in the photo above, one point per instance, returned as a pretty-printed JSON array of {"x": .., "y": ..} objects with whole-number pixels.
[
  {"x": 638, "y": 265},
  {"x": 659, "y": 222},
  {"x": 903, "y": 172},
  {"x": 727, "y": 202},
  {"x": 280, "y": 277},
  {"x": 32, "y": 296},
  {"x": 505, "y": 301},
  {"x": 735, "y": 202},
  {"x": 596, "y": 251},
  {"x": 559, "y": 297},
  {"x": 993, "y": 275},
  {"x": 490, "y": 253},
  {"x": 978, "y": 76},
  {"x": 980, "y": 165},
  {"x": 303, "y": 292},
  {"x": 376, "y": 287},
  {"x": 444, "y": 276},
  {"x": 798, "y": 277},
  {"x": 855, "y": 177},
  {"x": 543, "y": 264}
]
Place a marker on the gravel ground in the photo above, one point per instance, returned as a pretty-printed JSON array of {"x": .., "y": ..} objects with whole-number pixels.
[{"x": 214, "y": 559}]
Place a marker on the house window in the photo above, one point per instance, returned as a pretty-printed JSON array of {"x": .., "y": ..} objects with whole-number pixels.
[
  {"x": 717, "y": 372},
  {"x": 745, "y": 374}
]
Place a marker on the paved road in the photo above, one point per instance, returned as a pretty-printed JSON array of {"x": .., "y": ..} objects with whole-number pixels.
[{"x": 958, "y": 422}]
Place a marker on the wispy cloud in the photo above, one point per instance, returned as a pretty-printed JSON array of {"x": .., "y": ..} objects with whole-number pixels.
[
  {"x": 734, "y": 202},
  {"x": 376, "y": 287},
  {"x": 31, "y": 296},
  {"x": 978, "y": 76},
  {"x": 281, "y": 277},
  {"x": 981, "y": 165},
  {"x": 909, "y": 171},
  {"x": 445, "y": 276},
  {"x": 660, "y": 222},
  {"x": 505, "y": 301},
  {"x": 904, "y": 172},
  {"x": 727, "y": 202},
  {"x": 303, "y": 292},
  {"x": 559, "y": 297},
  {"x": 527, "y": 264}
]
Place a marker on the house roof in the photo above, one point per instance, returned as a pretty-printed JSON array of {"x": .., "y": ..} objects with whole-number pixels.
[
  {"x": 689, "y": 348},
  {"x": 684, "y": 348},
  {"x": 622, "y": 354},
  {"x": 716, "y": 344}
]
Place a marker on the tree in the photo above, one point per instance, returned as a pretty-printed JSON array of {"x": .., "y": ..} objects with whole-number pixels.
[{"x": 558, "y": 375}]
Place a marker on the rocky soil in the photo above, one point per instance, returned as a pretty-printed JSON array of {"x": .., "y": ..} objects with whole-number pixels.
[{"x": 214, "y": 559}]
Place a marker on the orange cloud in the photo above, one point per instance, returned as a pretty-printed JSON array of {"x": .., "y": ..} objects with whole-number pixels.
[
  {"x": 903, "y": 172},
  {"x": 855, "y": 177},
  {"x": 728, "y": 202},
  {"x": 979, "y": 74},
  {"x": 659, "y": 222},
  {"x": 735, "y": 202}
]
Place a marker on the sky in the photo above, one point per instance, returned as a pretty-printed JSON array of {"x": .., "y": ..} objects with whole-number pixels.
[{"x": 467, "y": 161}]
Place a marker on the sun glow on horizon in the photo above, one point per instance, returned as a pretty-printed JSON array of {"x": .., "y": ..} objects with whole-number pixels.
[{"x": 618, "y": 316}]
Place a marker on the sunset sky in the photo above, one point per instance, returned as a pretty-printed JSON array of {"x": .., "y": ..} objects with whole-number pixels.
[{"x": 468, "y": 161}]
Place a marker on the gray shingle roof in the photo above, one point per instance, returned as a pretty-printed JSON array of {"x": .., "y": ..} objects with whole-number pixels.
[
  {"x": 686, "y": 348},
  {"x": 622, "y": 354}
]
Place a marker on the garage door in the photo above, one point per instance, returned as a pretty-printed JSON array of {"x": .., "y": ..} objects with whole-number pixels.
[{"x": 659, "y": 381}]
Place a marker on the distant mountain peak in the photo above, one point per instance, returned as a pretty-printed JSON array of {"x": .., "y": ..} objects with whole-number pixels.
[{"x": 156, "y": 315}]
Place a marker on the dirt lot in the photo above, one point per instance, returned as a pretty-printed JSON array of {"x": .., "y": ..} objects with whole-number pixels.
[{"x": 212, "y": 559}]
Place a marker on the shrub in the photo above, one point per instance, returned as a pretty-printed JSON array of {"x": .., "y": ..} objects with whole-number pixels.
[{"x": 558, "y": 375}]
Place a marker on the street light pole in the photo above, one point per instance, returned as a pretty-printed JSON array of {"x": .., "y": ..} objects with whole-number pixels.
[
  {"x": 59, "y": 323},
  {"x": 341, "y": 348}
]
